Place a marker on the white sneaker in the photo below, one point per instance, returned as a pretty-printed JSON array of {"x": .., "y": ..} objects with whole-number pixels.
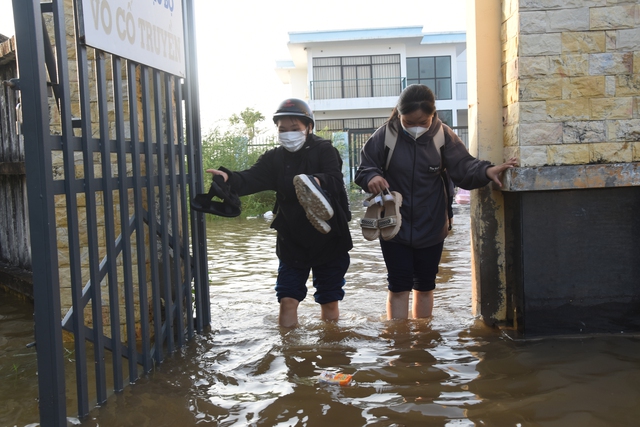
[{"x": 312, "y": 198}]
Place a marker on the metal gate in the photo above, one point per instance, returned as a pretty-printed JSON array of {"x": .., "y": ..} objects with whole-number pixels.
[
  {"x": 357, "y": 139},
  {"x": 112, "y": 159}
]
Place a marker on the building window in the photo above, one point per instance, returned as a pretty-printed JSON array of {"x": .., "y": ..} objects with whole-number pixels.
[
  {"x": 446, "y": 116},
  {"x": 432, "y": 71},
  {"x": 463, "y": 117},
  {"x": 356, "y": 77}
]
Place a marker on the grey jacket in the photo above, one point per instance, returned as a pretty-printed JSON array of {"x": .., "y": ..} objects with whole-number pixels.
[{"x": 414, "y": 172}]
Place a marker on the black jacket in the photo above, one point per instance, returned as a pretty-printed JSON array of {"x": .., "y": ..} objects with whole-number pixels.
[
  {"x": 299, "y": 244},
  {"x": 414, "y": 172}
]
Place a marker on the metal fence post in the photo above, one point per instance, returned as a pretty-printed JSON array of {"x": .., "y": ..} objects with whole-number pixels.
[{"x": 30, "y": 52}]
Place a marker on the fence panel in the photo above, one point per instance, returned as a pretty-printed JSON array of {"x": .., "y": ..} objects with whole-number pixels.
[{"x": 112, "y": 159}]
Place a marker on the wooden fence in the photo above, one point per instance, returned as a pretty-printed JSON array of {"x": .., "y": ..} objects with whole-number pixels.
[{"x": 15, "y": 253}]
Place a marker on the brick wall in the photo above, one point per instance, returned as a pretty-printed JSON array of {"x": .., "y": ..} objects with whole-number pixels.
[
  {"x": 571, "y": 81},
  {"x": 64, "y": 262}
]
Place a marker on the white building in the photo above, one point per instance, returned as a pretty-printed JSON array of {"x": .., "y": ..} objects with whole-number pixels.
[{"x": 352, "y": 78}]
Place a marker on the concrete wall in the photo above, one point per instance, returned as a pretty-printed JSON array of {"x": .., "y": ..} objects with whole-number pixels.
[{"x": 571, "y": 75}]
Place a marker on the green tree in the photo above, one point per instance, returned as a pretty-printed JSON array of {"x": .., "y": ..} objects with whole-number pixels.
[
  {"x": 232, "y": 148},
  {"x": 248, "y": 120}
]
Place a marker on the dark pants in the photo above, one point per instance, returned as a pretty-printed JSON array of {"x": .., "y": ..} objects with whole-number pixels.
[
  {"x": 328, "y": 279},
  {"x": 409, "y": 268}
]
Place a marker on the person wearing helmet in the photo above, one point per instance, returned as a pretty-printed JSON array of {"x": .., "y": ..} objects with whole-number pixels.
[{"x": 311, "y": 215}]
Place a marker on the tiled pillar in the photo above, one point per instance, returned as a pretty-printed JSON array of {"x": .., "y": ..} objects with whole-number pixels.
[{"x": 570, "y": 73}]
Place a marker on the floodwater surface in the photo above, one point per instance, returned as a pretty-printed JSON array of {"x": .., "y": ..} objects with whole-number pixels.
[{"x": 451, "y": 370}]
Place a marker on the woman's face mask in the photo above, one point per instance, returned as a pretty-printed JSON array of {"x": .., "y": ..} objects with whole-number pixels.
[
  {"x": 416, "y": 123},
  {"x": 292, "y": 141},
  {"x": 416, "y": 131}
]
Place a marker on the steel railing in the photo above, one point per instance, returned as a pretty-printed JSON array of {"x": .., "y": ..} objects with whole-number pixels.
[{"x": 357, "y": 88}]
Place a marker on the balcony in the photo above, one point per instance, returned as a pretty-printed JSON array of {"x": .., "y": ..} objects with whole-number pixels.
[{"x": 357, "y": 88}]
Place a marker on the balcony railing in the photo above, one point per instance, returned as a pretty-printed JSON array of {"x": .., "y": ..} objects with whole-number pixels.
[
  {"x": 463, "y": 133},
  {"x": 461, "y": 91},
  {"x": 357, "y": 88}
]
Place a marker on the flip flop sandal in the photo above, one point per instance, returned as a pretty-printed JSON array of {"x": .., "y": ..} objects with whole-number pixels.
[
  {"x": 390, "y": 224},
  {"x": 374, "y": 198},
  {"x": 372, "y": 215},
  {"x": 222, "y": 190},
  {"x": 204, "y": 203},
  {"x": 221, "y": 209}
]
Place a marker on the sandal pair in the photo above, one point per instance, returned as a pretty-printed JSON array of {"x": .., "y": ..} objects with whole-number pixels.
[{"x": 382, "y": 217}]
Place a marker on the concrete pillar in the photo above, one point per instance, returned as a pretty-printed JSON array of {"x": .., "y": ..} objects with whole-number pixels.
[
  {"x": 486, "y": 143},
  {"x": 557, "y": 250}
]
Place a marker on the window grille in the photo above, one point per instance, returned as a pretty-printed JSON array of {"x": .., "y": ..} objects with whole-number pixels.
[
  {"x": 356, "y": 77},
  {"x": 431, "y": 71}
]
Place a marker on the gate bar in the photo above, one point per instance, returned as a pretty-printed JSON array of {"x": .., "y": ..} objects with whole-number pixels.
[
  {"x": 125, "y": 229},
  {"x": 44, "y": 248},
  {"x": 63, "y": 97},
  {"x": 109, "y": 223},
  {"x": 194, "y": 149},
  {"x": 136, "y": 146},
  {"x": 185, "y": 220},
  {"x": 88, "y": 148},
  {"x": 162, "y": 199},
  {"x": 151, "y": 208},
  {"x": 175, "y": 190}
]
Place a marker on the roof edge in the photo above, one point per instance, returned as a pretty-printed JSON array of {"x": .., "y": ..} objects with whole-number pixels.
[{"x": 355, "y": 34}]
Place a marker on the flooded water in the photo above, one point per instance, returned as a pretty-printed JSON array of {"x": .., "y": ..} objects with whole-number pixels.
[{"x": 451, "y": 370}]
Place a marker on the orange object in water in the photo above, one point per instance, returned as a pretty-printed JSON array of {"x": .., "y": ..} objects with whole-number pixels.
[{"x": 334, "y": 378}]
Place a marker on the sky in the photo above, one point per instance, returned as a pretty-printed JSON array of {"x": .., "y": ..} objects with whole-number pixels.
[{"x": 239, "y": 42}]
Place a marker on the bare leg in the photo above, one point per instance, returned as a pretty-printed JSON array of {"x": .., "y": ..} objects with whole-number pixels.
[
  {"x": 397, "y": 305},
  {"x": 330, "y": 311},
  {"x": 288, "y": 316},
  {"x": 422, "y": 304}
]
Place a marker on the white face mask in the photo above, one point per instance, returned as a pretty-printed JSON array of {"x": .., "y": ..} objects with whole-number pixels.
[
  {"x": 292, "y": 141},
  {"x": 415, "y": 132}
]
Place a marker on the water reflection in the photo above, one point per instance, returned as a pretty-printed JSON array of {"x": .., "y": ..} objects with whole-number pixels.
[
  {"x": 18, "y": 381},
  {"x": 451, "y": 370}
]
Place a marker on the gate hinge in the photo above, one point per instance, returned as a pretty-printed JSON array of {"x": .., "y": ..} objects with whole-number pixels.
[{"x": 12, "y": 83}]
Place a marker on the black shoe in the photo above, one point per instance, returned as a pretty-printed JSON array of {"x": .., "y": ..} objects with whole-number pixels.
[
  {"x": 223, "y": 191},
  {"x": 214, "y": 208},
  {"x": 230, "y": 205}
]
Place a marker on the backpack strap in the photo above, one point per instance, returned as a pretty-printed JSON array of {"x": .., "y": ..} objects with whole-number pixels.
[
  {"x": 390, "y": 138},
  {"x": 438, "y": 140}
]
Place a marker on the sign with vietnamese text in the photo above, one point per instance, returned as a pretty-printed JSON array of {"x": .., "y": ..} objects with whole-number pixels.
[{"x": 146, "y": 31}]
